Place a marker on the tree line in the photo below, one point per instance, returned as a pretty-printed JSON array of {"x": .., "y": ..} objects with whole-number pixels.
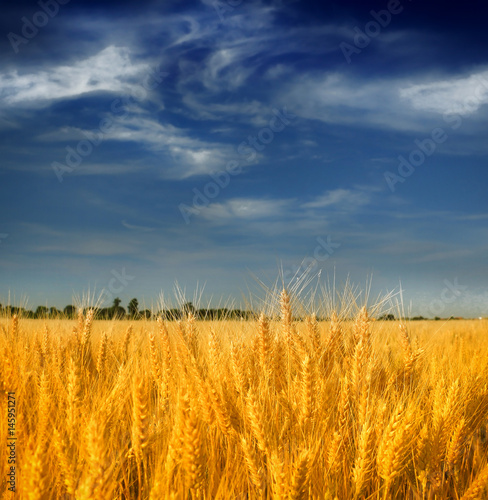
[{"x": 116, "y": 311}]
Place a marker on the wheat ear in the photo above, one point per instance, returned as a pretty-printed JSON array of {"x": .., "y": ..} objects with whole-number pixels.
[
  {"x": 475, "y": 491},
  {"x": 15, "y": 326},
  {"x": 286, "y": 319},
  {"x": 238, "y": 367},
  {"x": 139, "y": 417},
  {"x": 364, "y": 463},
  {"x": 155, "y": 363},
  {"x": 301, "y": 475},
  {"x": 306, "y": 386},
  {"x": 313, "y": 333},
  {"x": 255, "y": 419},
  {"x": 394, "y": 448},
  {"x": 63, "y": 455},
  {"x": 102, "y": 354},
  {"x": 253, "y": 468},
  {"x": 126, "y": 343},
  {"x": 192, "y": 446},
  {"x": 36, "y": 477},
  {"x": 264, "y": 344}
]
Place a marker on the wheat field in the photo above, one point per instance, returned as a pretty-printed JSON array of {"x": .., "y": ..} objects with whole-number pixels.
[{"x": 266, "y": 408}]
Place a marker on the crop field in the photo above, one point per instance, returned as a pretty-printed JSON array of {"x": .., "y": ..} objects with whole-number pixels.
[{"x": 272, "y": 408}]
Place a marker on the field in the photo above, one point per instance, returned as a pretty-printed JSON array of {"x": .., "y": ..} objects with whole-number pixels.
[{"x": 272, "y": 408}]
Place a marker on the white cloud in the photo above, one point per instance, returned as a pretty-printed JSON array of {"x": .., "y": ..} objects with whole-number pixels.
[
  {"x": 248, "y": 43},
  {"x": 109, "y": 70},
  {"x": 188, "y": 156},
  {"x": 342, "y": 198},
  {"x": 390, "y": 103},
  {"x": 135, "y": 227},
  {"x": 463, "y": 95},
  {"x": 245, "y": 208},
  {"x": 336, "y": 98},
  {"x": 180, "y": 155},
  {"x": 224, "y": 68}
]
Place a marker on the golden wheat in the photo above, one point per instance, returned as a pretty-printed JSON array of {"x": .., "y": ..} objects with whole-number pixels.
[{"x": 267, "y": 408}]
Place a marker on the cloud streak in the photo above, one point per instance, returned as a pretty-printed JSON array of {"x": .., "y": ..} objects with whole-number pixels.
[{"x": 110, "y": 70}]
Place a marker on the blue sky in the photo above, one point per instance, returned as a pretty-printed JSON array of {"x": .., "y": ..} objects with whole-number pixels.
[{"x": 215, "y": 142}]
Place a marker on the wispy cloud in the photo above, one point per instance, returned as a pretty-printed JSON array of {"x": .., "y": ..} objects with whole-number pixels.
[
  {"x": 393, "y": 102},
  {"x": 472, "y": 217},
  {"x": 448, "y": 255},
  {"x": 341, "y": 198},
  {"x": 137, "y": 227},
  {"x": 186, "y": 156},
  {"x": 110, "y": 70},
  {"x": 96, "y": 243},
  {"x": 245, "y": 208},
  {"x": 464, "y": 95}
]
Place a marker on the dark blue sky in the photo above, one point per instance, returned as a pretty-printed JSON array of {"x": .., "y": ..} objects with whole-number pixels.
[{"x": 208, "y": 142}]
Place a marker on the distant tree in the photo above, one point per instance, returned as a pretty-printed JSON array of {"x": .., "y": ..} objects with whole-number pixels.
[
  {"x": 41, "y": 312},
  {"x": 102, "y": 313},
  {"x": 188, "y": 308},
  {"x": 146, "y": 314},
  {"x": 133, "y": 308},
  {"x": 387, "y": 317},
  {"x": 54, "y": 312},
  {"x": 70, "y": 311},
  {"x": 170, "y": 314},
  {"x": 116, "y": 311}
]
